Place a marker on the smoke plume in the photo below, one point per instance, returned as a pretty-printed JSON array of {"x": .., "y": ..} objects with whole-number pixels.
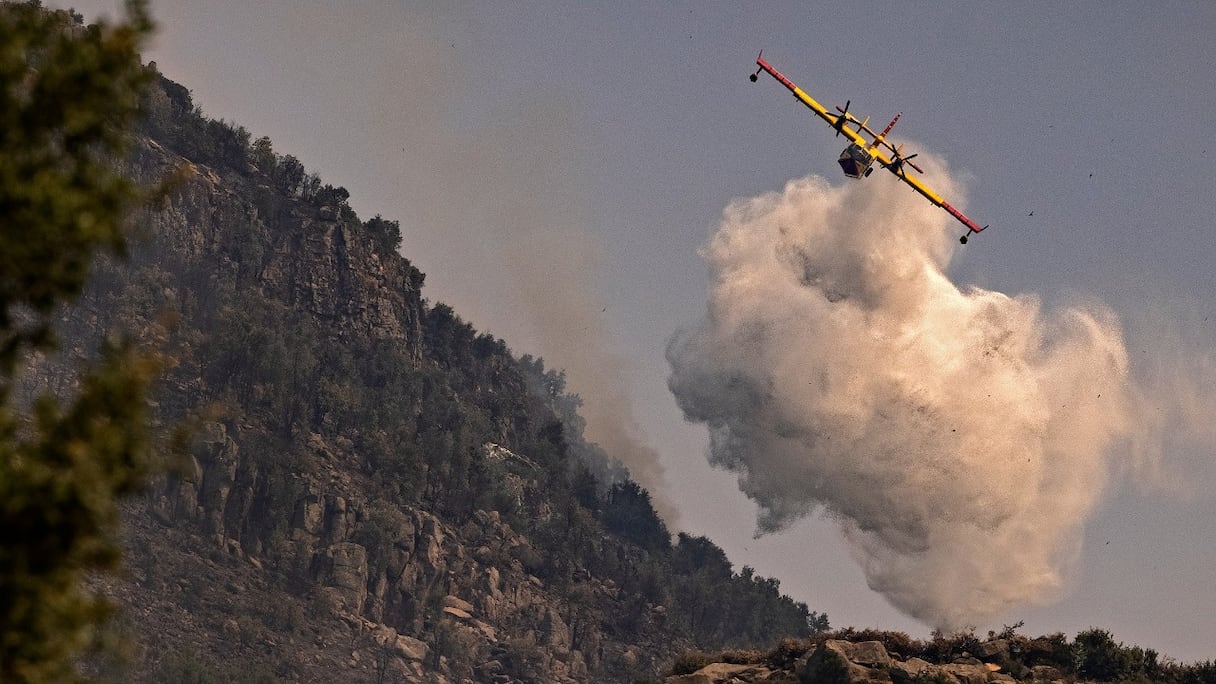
[
  {"x": 960, "y": 437},
  {"x": 491, "y": 190},
  {"x": 512, "y": 194}
]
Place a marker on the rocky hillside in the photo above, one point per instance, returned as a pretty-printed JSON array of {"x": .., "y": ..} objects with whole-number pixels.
[
  {"x": 373, "y": 490},
  {"x": 857, "y": 657}
]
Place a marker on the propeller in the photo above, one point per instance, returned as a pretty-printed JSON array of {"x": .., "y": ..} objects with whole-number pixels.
[
  {"x": 843, "y": 118},
  {"x": 897, "y": 164}
]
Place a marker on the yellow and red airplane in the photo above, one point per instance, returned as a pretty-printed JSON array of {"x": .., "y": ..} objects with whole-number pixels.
[{"x": 858, "y": 158}]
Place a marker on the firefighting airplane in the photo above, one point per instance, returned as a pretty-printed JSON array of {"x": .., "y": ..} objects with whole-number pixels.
[{"x": 858, "y": 158}]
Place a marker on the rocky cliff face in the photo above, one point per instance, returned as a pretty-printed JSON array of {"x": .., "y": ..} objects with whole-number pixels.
[
  {"x": 371, "y": 490},
  {"x": 280, "y": 553},
  {"x": 216, "y": 232},
  {"x": 327, "y": 603}
]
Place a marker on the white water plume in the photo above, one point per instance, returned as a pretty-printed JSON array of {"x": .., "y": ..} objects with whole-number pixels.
[{"x": 960, "y": 437}]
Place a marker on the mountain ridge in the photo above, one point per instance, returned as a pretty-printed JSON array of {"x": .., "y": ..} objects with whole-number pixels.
[{"x": 374, "y": 490}]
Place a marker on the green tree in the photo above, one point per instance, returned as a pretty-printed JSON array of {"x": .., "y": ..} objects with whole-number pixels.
[
  {"x": 70, "y": 96},
  {"x": 629, "y": 513},
  {"x": 818, "y": 622},
  {"x": 386, "y": 233},
  {"x": 262, "y": 154}
]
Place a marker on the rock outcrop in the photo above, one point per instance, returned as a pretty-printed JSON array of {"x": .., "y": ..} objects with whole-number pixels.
[
  {"x": 467, "y": 586},
  {"x": 839, "y": 661}
]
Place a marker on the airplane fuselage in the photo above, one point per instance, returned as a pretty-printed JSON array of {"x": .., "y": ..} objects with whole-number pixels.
[{"x": 856, "y": 161}]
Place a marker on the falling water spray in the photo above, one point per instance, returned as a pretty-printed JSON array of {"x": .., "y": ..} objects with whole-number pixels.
[{"x": 960, "y": 437}]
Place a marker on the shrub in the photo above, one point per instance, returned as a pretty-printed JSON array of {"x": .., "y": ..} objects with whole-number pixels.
[
  {"x": 741, "y": 656},
  {"x": 689, "y": 662},
  {"x": 787, "y": 653}
]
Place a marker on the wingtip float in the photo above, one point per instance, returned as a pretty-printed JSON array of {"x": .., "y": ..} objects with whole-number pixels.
[{"x": 857, "y": 160}]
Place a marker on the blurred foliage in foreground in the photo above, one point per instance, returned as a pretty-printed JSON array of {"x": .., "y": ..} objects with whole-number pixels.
[{"x": 68, "y": 101}]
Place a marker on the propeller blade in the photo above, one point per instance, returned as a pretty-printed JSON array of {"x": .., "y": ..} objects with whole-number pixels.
[
  {"x": 899, "y": 160},
  {"x": 840, "y": 122}
]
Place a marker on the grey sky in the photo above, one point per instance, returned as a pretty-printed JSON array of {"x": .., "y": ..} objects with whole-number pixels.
[{"x": 581, "y": 154}]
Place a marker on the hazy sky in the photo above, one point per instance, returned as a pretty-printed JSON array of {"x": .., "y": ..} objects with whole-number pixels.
[{"x": 558, "y": 170}]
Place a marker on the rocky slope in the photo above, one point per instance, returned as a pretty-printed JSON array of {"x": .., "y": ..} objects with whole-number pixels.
[
  {"x": 303, "y": 568},
  {"x": 372, "y": 491}
]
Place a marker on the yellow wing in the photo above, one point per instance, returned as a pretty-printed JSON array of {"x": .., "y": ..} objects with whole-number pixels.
[
  {"x": 928, "y": 194},
  {"x": 834, "y": 120}
]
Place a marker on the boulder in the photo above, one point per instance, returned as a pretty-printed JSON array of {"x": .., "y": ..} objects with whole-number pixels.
[
  {"x": 450, "y": 601},
  {"x": 485, "y": 630},
  {"x": 868, "y": 653},
  {"x": 967, "y": 673},
  {"x": 457, "y": 613},
  {"x": 722, "y": 673},
  {"x": 831, "y": 662},
  {"x": 911, "y": 670},
  {"x": 382, "y": 635},
  {"x": 410, "y": 648},
  {"x": 993, "y": 650}
]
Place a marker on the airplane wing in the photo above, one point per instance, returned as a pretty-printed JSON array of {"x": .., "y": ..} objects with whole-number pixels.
[
  {"x": 834, "y": 120},
  {"x": 917, "y": 185}
]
